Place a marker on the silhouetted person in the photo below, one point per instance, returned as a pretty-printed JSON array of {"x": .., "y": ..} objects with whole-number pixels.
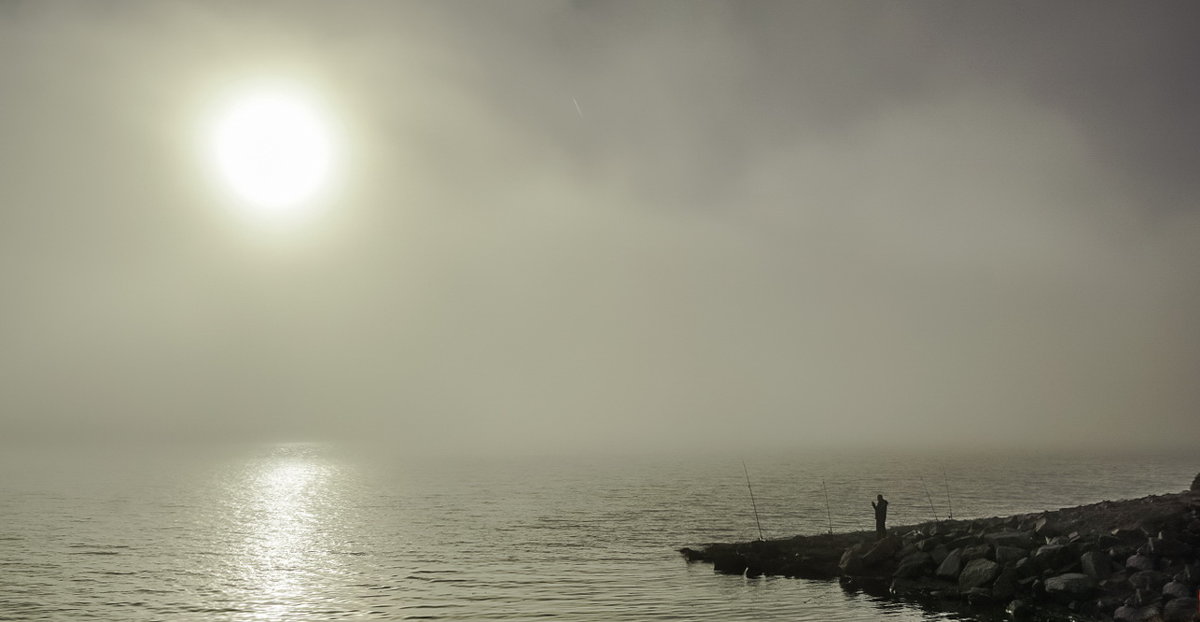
[{"x": 880, "y": 506}]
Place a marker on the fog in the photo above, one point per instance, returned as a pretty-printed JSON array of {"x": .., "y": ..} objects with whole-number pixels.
[{"x": 614, "y": 225}]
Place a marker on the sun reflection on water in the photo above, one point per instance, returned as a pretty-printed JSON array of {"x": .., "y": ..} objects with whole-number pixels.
[{"x": 287, "y": 508}]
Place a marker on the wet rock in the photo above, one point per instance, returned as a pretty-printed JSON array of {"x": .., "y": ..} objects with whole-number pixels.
[
  {"x": 914, "y": 565},
  {"x": 921, "y": 587},
  {"x": 1140, "y": 562},
  {"x": 1180, "y": 610},
  {"x": 951, "y": 566},
  {"x": 977, "y": 596},
  {"x": 884, "y": 549},
  {"x": 852, "y": 560},
  {"x": 1019, "y": 610},
  {"x": 977, "y": 573},
  {"x": 1096, "y": 564}
]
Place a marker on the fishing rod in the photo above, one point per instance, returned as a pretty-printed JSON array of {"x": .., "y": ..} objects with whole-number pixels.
[
  {"x": 753, "y": 503},
  {"x": 950, "y": 505},
  {"x": 930, "y": 497},
  {"x": 828, "y": 513}
]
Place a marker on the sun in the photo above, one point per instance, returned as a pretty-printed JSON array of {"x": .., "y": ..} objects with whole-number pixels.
[{"x": 274, "y": 148}]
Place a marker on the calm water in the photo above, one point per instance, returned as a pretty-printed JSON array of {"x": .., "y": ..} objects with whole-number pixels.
[{"x": 313, "y": 532}]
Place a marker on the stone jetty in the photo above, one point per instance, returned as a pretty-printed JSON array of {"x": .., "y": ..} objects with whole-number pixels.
[{"x": 1130, "y": 561}]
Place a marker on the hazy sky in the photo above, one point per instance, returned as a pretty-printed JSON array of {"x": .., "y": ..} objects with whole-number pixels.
[{"x": 611, "y": 224}]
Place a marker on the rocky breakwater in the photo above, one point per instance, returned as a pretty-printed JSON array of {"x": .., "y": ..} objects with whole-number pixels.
[{"x": 1129, "y": 561}]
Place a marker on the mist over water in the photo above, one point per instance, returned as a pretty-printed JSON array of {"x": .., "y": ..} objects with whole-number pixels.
[
  {"x": 597, "y": 225},
  {"x": 572, "y": 262},
  {"x": 312, "y": 531}
]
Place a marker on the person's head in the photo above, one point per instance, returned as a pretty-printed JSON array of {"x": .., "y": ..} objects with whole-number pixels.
[{"x": 880, "y": 497}]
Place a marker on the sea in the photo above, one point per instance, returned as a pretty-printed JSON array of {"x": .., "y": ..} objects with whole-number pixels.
[{"x": 310, "y": 531}]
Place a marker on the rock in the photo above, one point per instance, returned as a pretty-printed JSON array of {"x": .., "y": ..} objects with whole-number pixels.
[
  {"x": 1126, "y": 535},
  {"x": 1196, "y": 484},
  {"x": 939, "y": 554},
  {"x": 851, "y": 562},
  {"x": 1026, "y": 567},
  {"x": 914, "y": 565},
  {"x": 1139, "y": 562},
  {"x": 1046, "y": 528},
  {"x": 979, "y": 551},
  {"x": 1071, "y": 584},
  {"x": 1149, "y": 580},
  {"x": 1137, "y": 614},
  {"x": 1096, "y": 565},
  {"x": 1008, "y": 554},
  {"x": 1180, "y": 610},
  {"x": 978, "y": 595},
  {"x": 958, "y": 543},
  {"x": 1019, "y": 539},
  {"x": 1054, "y": 556},
  {"x": 951, "y": 566},
  {"x": 921, "y": 587},
  {"x": 1167, "y": 547},
  {"x": 884, "y": 549},
  {"x": 977, "y": 573},
  {"x": 1142, "y": 598},
  {"x": 1005, "y": 585},
  {"x": 928, "y": 544},
  {"x": 1019, "y": 610},
  {"x": 1175, "y": 589}
]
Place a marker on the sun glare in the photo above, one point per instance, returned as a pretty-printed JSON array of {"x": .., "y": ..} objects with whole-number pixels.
[{"x": 274, "y": 148}]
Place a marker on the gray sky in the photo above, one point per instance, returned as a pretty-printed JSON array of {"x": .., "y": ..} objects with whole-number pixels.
[{"x": 785, "y": 224}]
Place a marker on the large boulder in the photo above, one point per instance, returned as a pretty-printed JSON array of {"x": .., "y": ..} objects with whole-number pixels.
[
  {"x": 914, "y": 565},
  {"x": 1071, "y": 584},
  {"x": 977, "y": 573},
  {"x": 852, "y": 560},
  {"x": 951, "y": 566},
  {"x": 883, "y": 550}
]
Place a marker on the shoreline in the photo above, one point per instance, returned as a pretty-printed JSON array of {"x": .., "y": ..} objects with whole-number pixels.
[{"x": 1134, "y": 560}]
